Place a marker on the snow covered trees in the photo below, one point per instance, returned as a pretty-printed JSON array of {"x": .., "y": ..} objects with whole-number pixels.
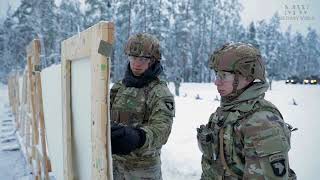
[{"x": 189, "y": 30}]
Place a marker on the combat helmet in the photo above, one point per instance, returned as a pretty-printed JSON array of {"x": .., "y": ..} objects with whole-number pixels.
[
  {"x": 239, "y": 58},
  {"x": 143, "y": 45}
]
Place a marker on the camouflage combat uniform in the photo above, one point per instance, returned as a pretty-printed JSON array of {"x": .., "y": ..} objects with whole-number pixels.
[
  {"x": 150, "y": 108},
  {"x": 246, "y": 138}
]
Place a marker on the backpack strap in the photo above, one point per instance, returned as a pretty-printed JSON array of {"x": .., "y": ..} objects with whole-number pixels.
[{"x": 222, "y": 157}]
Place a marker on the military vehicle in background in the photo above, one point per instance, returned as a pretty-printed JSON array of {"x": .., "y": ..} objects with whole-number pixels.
[
  {"x": 313, "y": 79},
  {"x": 294, "y": 80}
]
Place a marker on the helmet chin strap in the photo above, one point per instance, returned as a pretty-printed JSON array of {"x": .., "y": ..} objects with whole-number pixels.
[
  {"x": 235, "y": 84},
  {"x": 235, "y": 92},
  {"x": 152, "y": 61}
]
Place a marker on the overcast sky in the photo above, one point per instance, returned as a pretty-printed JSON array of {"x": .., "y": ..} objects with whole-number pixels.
[{"x": 291, "y": 12}]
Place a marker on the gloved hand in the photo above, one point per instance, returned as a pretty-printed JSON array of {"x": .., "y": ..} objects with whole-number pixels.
[{"x": 126, "y": 139}]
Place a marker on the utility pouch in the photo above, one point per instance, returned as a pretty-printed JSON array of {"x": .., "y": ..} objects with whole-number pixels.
[{"x": 205, "y": 137}]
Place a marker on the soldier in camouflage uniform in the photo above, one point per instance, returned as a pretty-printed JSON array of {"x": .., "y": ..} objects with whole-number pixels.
[
  {"x": 246, "y": 138},
  {"x": 142, "y": 111}
]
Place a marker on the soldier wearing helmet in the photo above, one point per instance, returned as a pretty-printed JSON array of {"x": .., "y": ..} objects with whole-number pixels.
[
  {"x": 246, "y": 137},
  {"x": 142, "y": 111}
]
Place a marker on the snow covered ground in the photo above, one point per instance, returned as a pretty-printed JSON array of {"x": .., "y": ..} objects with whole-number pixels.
[
  {"x": 12, "y": 163},
  {"x": 181, "y": 156}
]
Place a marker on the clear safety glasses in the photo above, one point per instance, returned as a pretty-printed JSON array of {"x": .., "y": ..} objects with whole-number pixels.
[
  {"x": 143, "y": 60},
  {"x": 223, "y": 76}
]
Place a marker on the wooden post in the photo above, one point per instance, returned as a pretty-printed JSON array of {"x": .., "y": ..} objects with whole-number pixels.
[
  {"x": 23, "y": 118},
  {"x": 38, "y": 127},
  {"x": 10, "y": 92},
  {"x": 17, "y": 100},
  {"x": 66, "y": 116}
]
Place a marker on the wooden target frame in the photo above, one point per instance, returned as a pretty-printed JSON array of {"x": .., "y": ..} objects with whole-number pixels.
[{"x": 92, "y": 45}]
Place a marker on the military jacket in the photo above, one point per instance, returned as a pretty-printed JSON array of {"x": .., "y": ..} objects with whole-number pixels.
[
  {"x": 249, "y": 139},
  {"x": 150, "y": 108}
]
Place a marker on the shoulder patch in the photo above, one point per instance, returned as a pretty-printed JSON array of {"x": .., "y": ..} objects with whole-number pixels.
[
  {"x": 276, "y": 119},
  {"x": 272, "y": 118},
  {"x": 278, "y": 164},
  {"x": 169, "y": 105}
]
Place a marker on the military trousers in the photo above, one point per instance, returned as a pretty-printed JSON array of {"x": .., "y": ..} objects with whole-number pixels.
[{"x": 121, "y": 172}]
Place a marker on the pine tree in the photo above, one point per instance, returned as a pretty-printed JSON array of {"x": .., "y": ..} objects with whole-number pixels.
[
  {"x": 251, "y": 35},
  {"x": 299, "y": 55},
  {"x": 98, "y": 10},
  {"x": 138, "y": 16},
  {"x": 188, "y": 30},
  {"x": 9, "y": 41},
  {"x": 268, "y": 36},
  {"x": 49, "y": 24},
  {"x": 287, "y": 60},
  {"x": 24, "y": 30},
  {"x": 181, "y": 37},
  {"x": 70, "y": 19},
  {"x": 43, "y": 20},
  {"x": 199, "y": 47},
  {"x": 312, "y": 62},
  {"x": 123, "y": 12}
]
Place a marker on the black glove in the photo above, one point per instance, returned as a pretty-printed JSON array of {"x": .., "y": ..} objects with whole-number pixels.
[{"x": 126, "y": 139}]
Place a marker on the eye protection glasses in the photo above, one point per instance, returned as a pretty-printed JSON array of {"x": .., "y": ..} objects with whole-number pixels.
[
  {"x": 223, "y": 76},
  {"x": 143, "y": 60}
]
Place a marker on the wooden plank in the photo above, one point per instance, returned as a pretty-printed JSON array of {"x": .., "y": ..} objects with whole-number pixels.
[
  {"x": 100, "y": 68},
  {"x": 39, "y": 164},
  {"x": 66, "y": 116},
  {"x": 16, "y": 98},
  {"x": 27, "y": 137},
  {"x": 77, "y": 46},
  {"x": 36, "y": 63},
  {"x": 35, "y": 132},
  {"x": 29, "y": 142},
  {"x": 22, "y": 107},
  {"x": 33, "y": 47},
  {"x": 10, "y": 92},
  {"x": 42, "y": 127}
]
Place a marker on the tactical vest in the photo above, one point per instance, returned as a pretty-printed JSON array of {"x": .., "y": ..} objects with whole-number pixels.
[
  {"x": 227, "y": 157},
  {"x": 129, "y": 105}
]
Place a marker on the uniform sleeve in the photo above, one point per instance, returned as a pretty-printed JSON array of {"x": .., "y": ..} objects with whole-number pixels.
[
  {"x": 114, "y": 90},
  {"x": 266, "y": 147},
  {"x": 162, "y": 108}
]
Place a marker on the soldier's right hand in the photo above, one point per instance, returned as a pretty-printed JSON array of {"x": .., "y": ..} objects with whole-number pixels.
[
  {"x": 126, "y": 139},
  {"x": 115, "y": 126},
  {"x": 204, "y": 134},
  {"x": 205, "y": 137}
]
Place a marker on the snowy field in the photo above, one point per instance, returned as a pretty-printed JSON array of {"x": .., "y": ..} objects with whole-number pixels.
[
  {"x": 181, "y": 156},
  {"x": 12, "y": 163}
]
